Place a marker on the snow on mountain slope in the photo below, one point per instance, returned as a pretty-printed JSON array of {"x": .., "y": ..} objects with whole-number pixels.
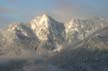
[
  {"x": 78, "y": 29},
  {"x": 17, "y": 39}
]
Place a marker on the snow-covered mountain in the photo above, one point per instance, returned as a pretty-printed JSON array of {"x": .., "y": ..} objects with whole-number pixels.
[
  {"x": 44, "y": 32},
  {"x": 44, "y": 44}
]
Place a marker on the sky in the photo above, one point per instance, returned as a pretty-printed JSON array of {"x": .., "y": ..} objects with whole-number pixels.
[{"x": 25, "y": 10}]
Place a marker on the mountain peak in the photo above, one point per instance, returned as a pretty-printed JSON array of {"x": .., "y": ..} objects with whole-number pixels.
[
  {"x": 43, "y": 25},
  {"x": 45, "y": 16},
  {"x": 44, "y": 20},
  {"x": 40, "y": 26}
]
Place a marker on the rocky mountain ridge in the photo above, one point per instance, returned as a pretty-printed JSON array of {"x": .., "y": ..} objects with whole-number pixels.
[{"x": 44, "y": 32}]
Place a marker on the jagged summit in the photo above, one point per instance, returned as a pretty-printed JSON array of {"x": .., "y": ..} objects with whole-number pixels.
[
  {"x": 40, "y": 26},
  {"x": 42, "y": 20},
  {"x": 43, "y": 26},
  {"x": 45, "y": 16}
]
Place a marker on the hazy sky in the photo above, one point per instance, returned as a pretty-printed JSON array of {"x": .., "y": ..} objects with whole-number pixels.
[{"x": 25, "y": 10}]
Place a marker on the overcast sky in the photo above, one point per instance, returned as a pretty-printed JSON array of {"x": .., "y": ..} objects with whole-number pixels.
[{"x": 62, "y": 10}]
